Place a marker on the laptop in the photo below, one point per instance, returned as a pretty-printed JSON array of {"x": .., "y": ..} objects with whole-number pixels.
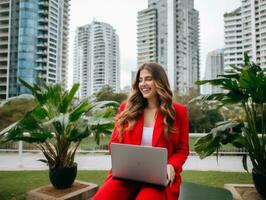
[{"x": 139, "y": 163}]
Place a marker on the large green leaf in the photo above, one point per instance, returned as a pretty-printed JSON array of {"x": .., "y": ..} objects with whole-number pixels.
[
  {"x": 79, "y": 111},
  {"x": 36, "y": 91},
  {"x": 229, "y": 75},
  {"x": 206, "y": 145},
  {"x": 103, "y": 104},
  {"x": 79, "y": 133},
  {"x": 7, "y": 129},
  {"x": 39, "y": 113},
  {"x": 27, "y": 85},
  {"x": 225, "y": 132},
  {"x": 10, "y": 133},
  {"x": 67, "y": 99},
  {"x": 29, "y": 123},
  {"x": 54, "y": 97},
  {"x": 217, "y": 81},
  {"x": 33, "y": 137},
  {"x": 59, "y": 123}
]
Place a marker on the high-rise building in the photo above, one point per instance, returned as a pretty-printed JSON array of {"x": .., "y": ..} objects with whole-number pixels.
[
  {"x": 168, "y": 33},
  {"x": 233, "y": 53},
  {"x": 147, "y": 36},
  {"x": 33, "y": 43},
  {"x": 4, "y": 39},
  {"x": 245, "y": 31},
  {"x": 96, "y": 58},
  {"x": 214, "y": 66},
  {"x": 82, "y": 57}
]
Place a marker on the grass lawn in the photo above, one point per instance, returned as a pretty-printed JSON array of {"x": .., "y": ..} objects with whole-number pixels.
[{"x": 14, "y": 184}]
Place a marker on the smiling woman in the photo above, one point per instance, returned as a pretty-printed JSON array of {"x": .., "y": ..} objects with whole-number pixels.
[{"x": 150, "y": 117}]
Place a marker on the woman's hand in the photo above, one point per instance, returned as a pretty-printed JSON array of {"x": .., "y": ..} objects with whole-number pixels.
[{"x": 171, "y": 173}]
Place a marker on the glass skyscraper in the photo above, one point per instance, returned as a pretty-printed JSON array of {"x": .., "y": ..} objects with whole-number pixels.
[{"x": 36, "y": 48}]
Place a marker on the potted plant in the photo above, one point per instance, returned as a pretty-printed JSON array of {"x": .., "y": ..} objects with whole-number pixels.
[
  {"x": 57, "y": 124},
  {"x": 244, "y": 86}
]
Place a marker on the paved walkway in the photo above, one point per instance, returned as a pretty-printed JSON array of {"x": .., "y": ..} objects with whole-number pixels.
[{"x": 89, "y": 161}]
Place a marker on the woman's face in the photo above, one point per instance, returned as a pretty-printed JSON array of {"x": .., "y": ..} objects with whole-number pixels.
[{"x": 146, "y": 84}]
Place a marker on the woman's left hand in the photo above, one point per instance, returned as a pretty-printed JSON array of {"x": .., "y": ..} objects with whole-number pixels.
[{"x": 171, "y": 173}]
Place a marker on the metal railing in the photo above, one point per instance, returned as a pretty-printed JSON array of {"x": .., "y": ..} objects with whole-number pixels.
[{"x": 88, "y": 145}]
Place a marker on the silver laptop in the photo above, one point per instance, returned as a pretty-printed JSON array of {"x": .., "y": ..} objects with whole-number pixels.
[{"x": 139, "y": 163}]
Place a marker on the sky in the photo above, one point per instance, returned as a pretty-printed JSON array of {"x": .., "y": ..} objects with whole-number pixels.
[{"x": 122, "y": 15}]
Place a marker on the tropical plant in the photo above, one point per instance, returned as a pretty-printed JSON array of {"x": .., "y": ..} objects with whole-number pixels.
[
  {"x": 57, "y": 125},
  {"x": 244, "y": 86}
]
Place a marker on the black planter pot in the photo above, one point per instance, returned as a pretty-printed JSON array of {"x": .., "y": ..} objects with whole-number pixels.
[
  {"x": 63, "y": 177},
  {"x": 260, "y": 183}
]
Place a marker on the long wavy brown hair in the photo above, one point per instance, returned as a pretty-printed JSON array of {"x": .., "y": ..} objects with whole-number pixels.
[{"x": 136, "y": 102}]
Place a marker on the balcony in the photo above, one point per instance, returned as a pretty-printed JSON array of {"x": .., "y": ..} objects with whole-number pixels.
[
  {"x": 42, "y": 44},
  {"x": 4, "y": 34},
  {"x": 4, "y": 26},
  {"x": 3, "y": 83},
  {"x": 44, "y": 3},
  {"x": 41, "y": 60},
  {"x": 43, "y": 12},
  {"x": 3, "y": 59},
  {"x": 42, "y": 36},
  {"x": 2, "y": 2},
  {"x": 41, "y": 68},
  {"x": 4, "y": 10},
  {"x": 4, "y": 18},
  {"x": 45, "y": 19},
  {"x": 3, "y": 75},
  {"x": 3, "y": 67},
  {"x": 2, "y": 50},
  {"x": 41, "y": 52},
  {"x": 42, "y": 27}
]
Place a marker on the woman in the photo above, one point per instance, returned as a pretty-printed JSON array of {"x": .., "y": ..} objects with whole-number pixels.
[{"x": 149, "y": 117}]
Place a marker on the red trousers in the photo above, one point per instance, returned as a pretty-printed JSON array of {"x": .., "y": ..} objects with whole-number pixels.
[{"x": 115, "y": 189}]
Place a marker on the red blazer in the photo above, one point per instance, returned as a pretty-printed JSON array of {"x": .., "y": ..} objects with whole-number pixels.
[{"x": 177, "y": 144}]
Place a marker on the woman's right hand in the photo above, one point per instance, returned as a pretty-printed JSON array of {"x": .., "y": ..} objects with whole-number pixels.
[{"x": 170, "y": 173}]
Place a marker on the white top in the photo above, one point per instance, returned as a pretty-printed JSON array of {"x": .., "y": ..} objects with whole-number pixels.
[{"x": 147, "y": 136}]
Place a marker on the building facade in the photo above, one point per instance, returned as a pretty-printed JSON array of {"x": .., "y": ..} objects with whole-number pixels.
[
  {"x": 245, "y": 31},
  {"x": 171, "y": 39},
  {"x": 4, "y": 39},
  {"x": 96, "y": 58},
  {"x": 33, "y": 43},
  {"x": 214, "y": 66},
  {"x": 147, "y": 36}
]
